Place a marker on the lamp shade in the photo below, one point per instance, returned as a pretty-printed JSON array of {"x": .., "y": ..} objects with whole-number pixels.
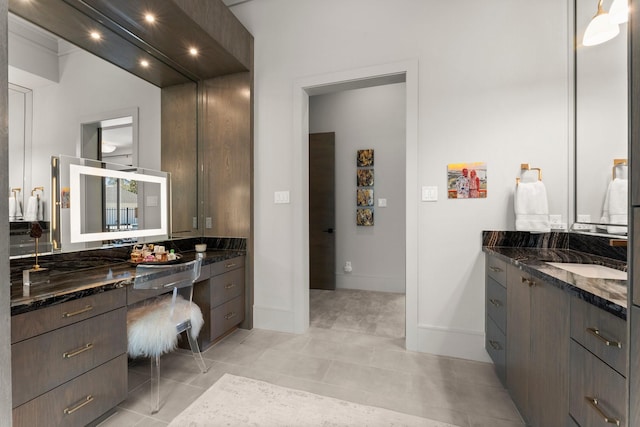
[
  {"x": 600, "y": 29},
  {"x": 619, "y": 11}
]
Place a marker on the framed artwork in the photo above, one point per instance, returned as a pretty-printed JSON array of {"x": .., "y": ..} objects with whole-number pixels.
[
  {"x": 365, "y": 157},
  {"x": 467, "y": 180},
  {"x": 364, "y": 217},
  {"x": 365, "y": 197},
  {"x": 365, "y": 177}
]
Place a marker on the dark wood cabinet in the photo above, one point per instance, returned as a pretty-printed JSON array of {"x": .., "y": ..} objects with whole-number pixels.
[
  {"x": 537, "y": 348},
  {"x": 220, "y": 297},
  {"x": 69, "y": 361}
]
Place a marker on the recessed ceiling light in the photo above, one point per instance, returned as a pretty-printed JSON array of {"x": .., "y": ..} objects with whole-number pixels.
[
  {"x": 150, "y": 17},
  {"x": 193, "y": 51},
  {"x": 144, "y": 63},
  {"x": 95, "y": 35}
]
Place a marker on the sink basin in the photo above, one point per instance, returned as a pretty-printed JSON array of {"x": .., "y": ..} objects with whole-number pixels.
[{"x": 591, "y": 270}]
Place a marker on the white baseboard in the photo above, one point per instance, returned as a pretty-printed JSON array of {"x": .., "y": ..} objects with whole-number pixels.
[
  {"x": 273, "y": 319},
  {"x": 370, "y": 283},
  {"x": 463, "y": 344}
]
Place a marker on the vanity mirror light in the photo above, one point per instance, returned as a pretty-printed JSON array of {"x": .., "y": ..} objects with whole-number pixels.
[
  {"x": 100, "y": 203},
  {"x": 601, "y": 135}
]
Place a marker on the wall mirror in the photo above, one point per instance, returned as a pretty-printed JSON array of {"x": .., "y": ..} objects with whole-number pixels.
[
  {"x": 601, "y": 98},
  {"x": 77, "y": 93},
  {"x": 107, "y": 202}
]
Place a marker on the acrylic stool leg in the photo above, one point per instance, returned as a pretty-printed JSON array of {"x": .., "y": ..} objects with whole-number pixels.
[
  {"x": 155, "y": 384},
  {"x": 195, "y": 350}
]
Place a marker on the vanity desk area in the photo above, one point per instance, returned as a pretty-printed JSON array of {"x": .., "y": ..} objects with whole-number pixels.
[
  {"x": 558, "y": 338},
  {"x": 69, "y": 336}
]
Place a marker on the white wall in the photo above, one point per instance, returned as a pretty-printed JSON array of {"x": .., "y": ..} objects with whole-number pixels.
[
  {"x": 375, "y": 118},
  {"x": 493, "y": 87}
]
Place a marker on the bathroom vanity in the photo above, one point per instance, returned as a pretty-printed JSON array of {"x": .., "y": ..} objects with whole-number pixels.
[
  {"x": 557, "y": 338},
  {"x": 69, "y": 337}
]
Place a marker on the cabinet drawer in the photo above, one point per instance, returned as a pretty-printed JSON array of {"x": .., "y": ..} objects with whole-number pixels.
[
  {"x": 495, "y": 343},
  {"x": 42, "y": 363},
  {"x": 227, "y": 286},
  {"x": 27, "y": 325},
  {"x": 497, "y": 303},
  {"x": 226, "y": 316},
  {"x": 99, "y": 389},
  {"x": 497, "y": 269},
  {"x": 600, "y": 332},
  {"x": 227, "y": 265},
  {"x": 136, "y": 295},
  {"x": 593, "y": 379}
]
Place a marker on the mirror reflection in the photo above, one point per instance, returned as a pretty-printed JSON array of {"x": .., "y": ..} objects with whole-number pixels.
[{"x": 601, "y": 88}]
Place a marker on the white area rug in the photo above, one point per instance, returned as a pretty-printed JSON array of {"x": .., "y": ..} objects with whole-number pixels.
[{"x": 239, "y": 401}]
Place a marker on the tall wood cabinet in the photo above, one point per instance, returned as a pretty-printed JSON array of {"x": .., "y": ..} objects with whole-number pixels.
[
  {"x": 537, "y": 348},
  {"x": 536, "y": 342}
]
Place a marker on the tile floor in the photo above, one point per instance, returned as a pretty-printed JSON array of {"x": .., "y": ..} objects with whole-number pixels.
[{"x": 347, "y": 354}]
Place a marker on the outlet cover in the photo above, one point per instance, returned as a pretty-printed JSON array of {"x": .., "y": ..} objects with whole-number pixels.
[
  {"x": 208, "y": 222},
  {"x": 382, "y": 203}
]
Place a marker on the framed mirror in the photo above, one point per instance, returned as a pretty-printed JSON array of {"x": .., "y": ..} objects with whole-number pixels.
[
  {"x": 107, "y": 203},
  {"x": 601, "y": 127}
]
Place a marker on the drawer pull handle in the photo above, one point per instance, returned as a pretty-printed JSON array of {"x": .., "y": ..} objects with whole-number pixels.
[
  {"x": 495, "y": 302},
  {"x": 85, "y": 401},
  {"x": 230, "y": 285},
  {"x": 495, "y": 269},
  {"x": 596, "y": 333},
  {"x": 594, "y": 404},
  {"x": 531, "y": 283},
  {"x": 231, "y": 264},
  {"x": 495, "y": 344},
  {"x": 70, "y": 354},
  {"x": 75, "y": 313},
  {"x": 230, "y": 315}
]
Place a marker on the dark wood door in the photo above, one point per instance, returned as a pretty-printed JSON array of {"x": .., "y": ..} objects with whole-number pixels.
[{"x": 322, "y": 236}]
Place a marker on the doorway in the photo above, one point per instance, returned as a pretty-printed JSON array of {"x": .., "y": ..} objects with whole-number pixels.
[
  {"x": 313, "y": 85},
  {"x": 370, "y": 262}
]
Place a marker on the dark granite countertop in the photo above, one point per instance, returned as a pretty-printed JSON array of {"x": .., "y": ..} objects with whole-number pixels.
[
  {"x": 608, "y": 294},
  {"x": 83, "y": 282}
]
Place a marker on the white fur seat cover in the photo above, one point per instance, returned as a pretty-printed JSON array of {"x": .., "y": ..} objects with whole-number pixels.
[{"x": 151, "y": 329}]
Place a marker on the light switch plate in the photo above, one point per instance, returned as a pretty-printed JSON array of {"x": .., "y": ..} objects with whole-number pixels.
[
  {"x": 280, "y": 197},
  {"x": 208, "y": 222},
  {"x": 429, "y": 194}
]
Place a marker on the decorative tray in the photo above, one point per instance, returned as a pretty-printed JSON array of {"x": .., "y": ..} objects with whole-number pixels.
[{"x": 173, "y": 261}]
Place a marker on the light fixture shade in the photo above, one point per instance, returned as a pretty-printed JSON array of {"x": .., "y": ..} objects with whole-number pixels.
[
  {"x": 619, "y": 11},
  {"x": 600, "y": 29}
]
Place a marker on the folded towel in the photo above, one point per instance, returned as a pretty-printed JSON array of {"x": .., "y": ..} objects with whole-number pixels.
[
  {"x": 615, "y": 207},
  {"x": 31, "y": 214},
  {"x": 532, "y": 207}
]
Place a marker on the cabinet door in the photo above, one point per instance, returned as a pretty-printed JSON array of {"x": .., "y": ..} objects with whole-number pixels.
[
  {"x": 518, "y": 327},
  {"x": 549, "y": 375}
]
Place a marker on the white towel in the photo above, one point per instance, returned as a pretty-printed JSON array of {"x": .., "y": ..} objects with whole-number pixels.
[
  {"x": 31, "y": 214},
  {"x": 615, "y": 207},
  {"x": 532, "y": 207},
  {"x": 12, "y": 209}
]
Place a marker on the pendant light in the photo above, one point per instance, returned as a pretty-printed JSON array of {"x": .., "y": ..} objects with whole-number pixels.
[
  {"x": 619, "y": 11},
  {"x": 600, "y": 29}
]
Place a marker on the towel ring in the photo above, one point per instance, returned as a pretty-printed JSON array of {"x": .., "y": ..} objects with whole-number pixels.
[
  {"x": 616, "y": 163},
  {"x": 526, "y": 167}
]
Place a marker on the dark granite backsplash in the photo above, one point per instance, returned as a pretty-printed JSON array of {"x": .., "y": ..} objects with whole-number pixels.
[
  {"x": 76, "y": 261},
  {"x": 594, "y": 245}
]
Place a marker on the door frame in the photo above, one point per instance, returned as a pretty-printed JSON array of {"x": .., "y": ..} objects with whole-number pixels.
[{"x": 326, "y": 83}]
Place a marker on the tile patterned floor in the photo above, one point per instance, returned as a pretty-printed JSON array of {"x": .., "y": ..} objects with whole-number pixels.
[{"x": 344, "y": 354}]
